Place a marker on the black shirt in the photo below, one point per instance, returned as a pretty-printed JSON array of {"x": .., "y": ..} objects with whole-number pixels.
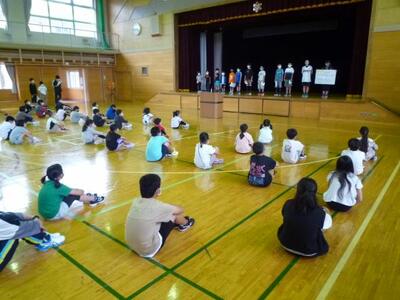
[
  {"x": 259, "y": 167},
  {"x": 98, "y": 120},
  {"x": 112, "y": 140},
  {"x": 119, "y": 120},
  {"x": 32, "y": 88},
  {"x": 302, "y": 232}
]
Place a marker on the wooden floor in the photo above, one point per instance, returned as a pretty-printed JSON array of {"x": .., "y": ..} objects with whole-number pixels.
[{"x": 232, "y": 252}]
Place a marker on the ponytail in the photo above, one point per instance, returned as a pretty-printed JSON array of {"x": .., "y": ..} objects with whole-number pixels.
[
  {"x": 203, "y": 138},
  {"x": 88, "y": 122},
  {"x": 243, "y": 129},
  {"x": 53, "y": 173},
  {"x": 364, "y": 139},
  {"x": 266, "y": 123}
]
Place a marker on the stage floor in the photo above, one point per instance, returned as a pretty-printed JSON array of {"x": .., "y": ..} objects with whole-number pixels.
[{"x": 232, "y": 252}]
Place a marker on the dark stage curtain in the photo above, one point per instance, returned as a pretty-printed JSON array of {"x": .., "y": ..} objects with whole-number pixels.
[
  {"x": 244, "y": 9},
  {"x": 189, "y": 62}
]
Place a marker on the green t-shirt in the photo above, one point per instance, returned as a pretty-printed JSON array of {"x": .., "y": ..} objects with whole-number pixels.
[{"x": 50, "y": 199}]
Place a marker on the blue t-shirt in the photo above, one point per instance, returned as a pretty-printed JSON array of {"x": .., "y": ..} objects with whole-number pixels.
[
  {"x": 110, "y": 113},
  {"x": 16, "y": 135},
  {"x": 279, "y": 75},
  {"x": 154, "y": 148}
]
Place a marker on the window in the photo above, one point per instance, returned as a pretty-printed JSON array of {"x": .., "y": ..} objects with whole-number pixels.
[
  {"x": 73, "y": 80},
  {"x": 74, "y": 17},
  {"x": 3, "y": 20},
  {"x": 5, "y": 80}
]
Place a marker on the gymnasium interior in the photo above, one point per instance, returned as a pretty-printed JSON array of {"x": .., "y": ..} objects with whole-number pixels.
[{"x": 146, "y": 53}]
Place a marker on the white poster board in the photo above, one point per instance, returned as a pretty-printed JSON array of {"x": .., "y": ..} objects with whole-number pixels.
[{"x": 327, "y": 77}]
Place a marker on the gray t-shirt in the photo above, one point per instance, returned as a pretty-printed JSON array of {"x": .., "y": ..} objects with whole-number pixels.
[
  {"x": 17, "y": 135},
  {"x": 143, "y": 224}
]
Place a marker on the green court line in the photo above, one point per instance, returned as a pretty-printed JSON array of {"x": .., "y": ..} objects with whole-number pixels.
[
  {"x": 145, "y": 287},
  {"x": 90, "y": 274},
  {"x": 294, "y": 261},
  {"x": 154, "y": 262}
]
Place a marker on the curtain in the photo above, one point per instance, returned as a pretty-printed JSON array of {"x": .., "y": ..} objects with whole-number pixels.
[
  {"x": 11, "y": 72},
  {"x": 188, "y": 57},
  {"x": 27, "y": 11}
]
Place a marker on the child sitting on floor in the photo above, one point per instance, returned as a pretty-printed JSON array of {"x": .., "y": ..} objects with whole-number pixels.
[
  {"x": 114, "y": 142},
  {"x": 61, "y": 114},
  {"x": 111, "y": 112},
  {"x": 205, "y": 155},
  {"x": 99, "y": 119},
  {"x": 157, "y": 123},
  {"x": 94, "y": 106},
  {"x": 150, "y": 221},
  {"x": 262, "y": 167},
  {"x": 23, "y": 116},
  {"x": 16, "y": 226},
  {"x": 76, "y": 116},
  {"x": 244, "y": 141},
  {"x": 19, "y": 133},
  {"x": 28, "y": 107},
  {"x": 367, "y": 145},
  {"x": 55, "y": 198},
  {"x": 292, "y": 150},
  {"x": 53, "y": 125},
  {"x": 356, "y": 155},
  {"x": 158, "y": 146},
  {"x": 41, "y": 109},
  {"x": 120, "y": 121},
  {"x": 265, "y": 135},
  {"x": 177, "y": 121},
  {"x": 91, "y": 135},
  {"x": 6, "y": 127},
  {"x": 147, "y": 118},
  {"x": 344, "y": 187}
]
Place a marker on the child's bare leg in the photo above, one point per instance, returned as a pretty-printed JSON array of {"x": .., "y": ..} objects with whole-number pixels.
[
  {"x": 86, "y": 198},
  {"x": 180, "y": 219}
]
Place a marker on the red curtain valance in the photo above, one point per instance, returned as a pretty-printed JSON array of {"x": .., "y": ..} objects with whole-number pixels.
[{"x": 242, "y": 10}]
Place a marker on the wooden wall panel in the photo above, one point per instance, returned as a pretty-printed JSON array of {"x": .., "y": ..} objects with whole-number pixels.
[
  {"x": 276, "y": 107},
  {"x": 231, "y": 104},
  {"x": 108, "y": 85},
  {"x": 23, "y": 73},
  {"x": 123, "y": 84},
  {"x": 305, "y": 109},
  {"x": 249, "y": 105},
  {"x": 189, "y": 102},
  {"x": 47, "y": 75},
  {"x": 94, "y": 85}
]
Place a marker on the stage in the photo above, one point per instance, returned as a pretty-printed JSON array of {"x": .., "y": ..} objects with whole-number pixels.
[{"x": 335, "y": 108}]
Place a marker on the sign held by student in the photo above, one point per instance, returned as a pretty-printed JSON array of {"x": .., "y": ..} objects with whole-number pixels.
[{"x": 327, "y": 77}]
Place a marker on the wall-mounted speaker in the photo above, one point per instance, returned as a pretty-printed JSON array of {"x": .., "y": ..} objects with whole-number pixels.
[{"x": 155, "y": 25}]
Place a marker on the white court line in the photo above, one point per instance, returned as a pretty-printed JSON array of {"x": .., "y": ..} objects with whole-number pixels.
[{"x": 347, "y": 254}]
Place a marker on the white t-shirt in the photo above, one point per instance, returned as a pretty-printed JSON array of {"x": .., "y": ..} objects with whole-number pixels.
[
  {"x": 291, "y": 150},
  {"x": 175, "y": 121},
  {"x": 42, "y": 89},
  {"x": 245, "y": 144},
  {"x": 60, "y": 114},
  {"x": 5, "y": 129},
  {"x": 289, "y": 70},
  {"x": 147, "y": 118},
  {"x": 49, "y": 121},
  {"x": 261, "y": 76},
  {"x": 357, "y": 157},
  {"x": 265, "y": 135},
  {"x": 306, "y": 73},
  {"x": 349, "y": 194},
  {"x": 372, "y": 147},
  {"x": 202, "y": 156}
]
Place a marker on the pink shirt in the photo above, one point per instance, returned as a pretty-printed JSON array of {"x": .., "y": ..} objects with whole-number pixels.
[{"x": 245, "y": 144}]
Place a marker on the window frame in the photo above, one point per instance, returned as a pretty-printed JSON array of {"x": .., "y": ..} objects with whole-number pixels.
[{"x": 73, "y": 30}]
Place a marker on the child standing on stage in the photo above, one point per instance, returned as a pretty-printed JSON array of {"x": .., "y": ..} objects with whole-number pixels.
[
  {"x": 306, "y": 72},
  {"x": 205, "y": 155},
  {"x": 217, "y": 80},
  {"x": 147, "y": 118},
  {"x": 261, "y": 81},
  {"x": 115, "y": 142},
  {"x": 288, "y": 77},
  {"x": 262, "y": 167},
  {"x": 238, "y": 80},
  {"x": 91, "y": 135},
  {"x": 345, "y": 188},
  {"x": 150, "y": 221},
  {"x": 244, "y": 141},
  {"x": 223, "y": 83},
  {"x": 356, "y": 155},
  {"x": 265, "y": 135},
  {"x": 16, "y": 226},
  {"x": 177, "y": 121},
  {"x": 158, "y": 146},
  {"x": 198, "y": 82},
  {"x": 367, "y": 145},
  {"x": 292, "y": 150},
  {"x": 231, "y": 81},
  {"x": 55, "y": 198},
  {"x": 279, "y": 74},
  {"x": 326, "y": 87}
]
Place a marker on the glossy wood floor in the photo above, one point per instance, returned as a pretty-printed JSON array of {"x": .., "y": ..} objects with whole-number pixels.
[{"x": 232, "y": 252}]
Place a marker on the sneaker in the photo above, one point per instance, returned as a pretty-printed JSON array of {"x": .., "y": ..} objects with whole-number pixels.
[
  {"x": 97, "y": 200},
  {"x": 186, "y": 126},
  {"x": 218, "y": 161},
  {"x": 130, "y": 145},
  {"x": 54, "y": 241},
  {"x": 174, "y": 153},
  {"x": 303, "y": 157},
  {"x": 190, "y": 223},
  {"x": 34, "y": 140},
  {"x": 375, "y": 158}
]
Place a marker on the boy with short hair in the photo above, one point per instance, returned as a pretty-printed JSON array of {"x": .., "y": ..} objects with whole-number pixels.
[
  {"x": 76, "y": 115},
  {"x": 120, "y": 121},
  {"x": 99, "y": 119},
  {"x": 158, "y": 146},
  {"x": 150, "y": 221},
  {"x": 22, "y": 115},
  {"x": 111, "y": 112},
  {"x": 292, "y": 150},
  {"x": 6, "y": 127},
  {"x": 262, "y": 167},
  {"x": 19, "y": 133},
  {"x": 115, "y": 142},
  {"x": 356, "y": 155}
]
